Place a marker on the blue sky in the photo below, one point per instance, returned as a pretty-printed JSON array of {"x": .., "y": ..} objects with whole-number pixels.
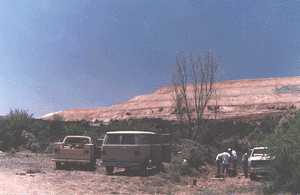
[{"x": 60, "y": 54}]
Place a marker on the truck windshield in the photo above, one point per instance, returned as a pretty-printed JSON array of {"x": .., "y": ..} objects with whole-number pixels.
[{"x": 76, "y": 140}]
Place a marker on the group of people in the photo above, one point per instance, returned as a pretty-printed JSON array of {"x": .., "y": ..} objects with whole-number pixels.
[{"x": 227, "y": 163}]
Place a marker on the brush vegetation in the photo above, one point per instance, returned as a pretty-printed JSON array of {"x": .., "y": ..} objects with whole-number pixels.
[{"x": 19, "y": 130}]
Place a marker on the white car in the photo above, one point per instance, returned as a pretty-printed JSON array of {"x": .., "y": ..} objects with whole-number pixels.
[{"x": 259, "y": 162}]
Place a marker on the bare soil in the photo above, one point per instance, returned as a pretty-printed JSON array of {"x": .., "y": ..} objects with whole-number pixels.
[{"x": 34, "y": 174}]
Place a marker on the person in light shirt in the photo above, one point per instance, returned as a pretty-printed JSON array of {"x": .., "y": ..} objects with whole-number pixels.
[
  {"x": 225, "y": 156},
  {"x": 219, "y": 164},
  {"x": 234, "y": 161}
]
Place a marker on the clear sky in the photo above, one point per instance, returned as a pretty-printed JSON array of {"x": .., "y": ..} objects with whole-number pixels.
[{"x": 60, "y": 54}]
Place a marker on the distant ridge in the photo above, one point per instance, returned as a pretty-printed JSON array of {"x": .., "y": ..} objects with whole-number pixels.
[{"x": 236, "y": 98}]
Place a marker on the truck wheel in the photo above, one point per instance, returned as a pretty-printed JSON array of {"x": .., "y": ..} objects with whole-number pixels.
[
  {"x": 58, "y": 165},
  {"x": 109, "y": 170},
  {"x": 252, "y": 177}
]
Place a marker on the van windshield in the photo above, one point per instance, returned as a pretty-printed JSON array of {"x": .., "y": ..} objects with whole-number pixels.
[
  {"x": 128, "y": 139},
  {"x": 113, "y": 139}
]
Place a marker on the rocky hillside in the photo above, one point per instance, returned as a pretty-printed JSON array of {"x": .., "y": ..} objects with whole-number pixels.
[{"x": 240, "y": 98}]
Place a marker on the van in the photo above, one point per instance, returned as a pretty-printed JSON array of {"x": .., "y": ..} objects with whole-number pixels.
[{"x": 135, "y": 149}]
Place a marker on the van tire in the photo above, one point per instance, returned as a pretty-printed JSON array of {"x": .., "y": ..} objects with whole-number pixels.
[
  {"x": 109, "y": 170},
  {"x": 145, "y": 169}
]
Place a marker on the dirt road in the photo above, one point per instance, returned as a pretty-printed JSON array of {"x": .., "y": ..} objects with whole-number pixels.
[{"x": 30, "y": 174}]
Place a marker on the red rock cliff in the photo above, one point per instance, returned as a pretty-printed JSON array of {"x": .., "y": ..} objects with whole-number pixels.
[{"x": 240, "y": 98}]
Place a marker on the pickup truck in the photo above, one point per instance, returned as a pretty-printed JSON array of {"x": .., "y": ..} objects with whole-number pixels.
[{"x": 75, "y": 150}]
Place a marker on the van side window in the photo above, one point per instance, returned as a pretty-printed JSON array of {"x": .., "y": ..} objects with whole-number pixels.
[
  {"x": 128, "y": 139},
  {"x": 113, "y": 139},
  {"x": 143, "y": 139},
  {"x": 165, "y": 138}
]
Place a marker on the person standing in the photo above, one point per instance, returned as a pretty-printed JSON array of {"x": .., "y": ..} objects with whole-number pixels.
[
  {"x": 225, "y": 163},
  {"x": 219, "y": 163},
  {"x": 234, "y": 161},
  {"x": 245, "y": 164}
]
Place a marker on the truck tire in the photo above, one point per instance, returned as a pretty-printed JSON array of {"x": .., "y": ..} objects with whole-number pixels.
[
  {"x": 58, "y": 165},
  {"x": 252, "y": 176},
  {"x": 109, "y": 170}
]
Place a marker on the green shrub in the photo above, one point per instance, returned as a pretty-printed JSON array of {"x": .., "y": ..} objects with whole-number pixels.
[
  {"x": 12, "y": 127},
  {"x": 284, "y": 144}
]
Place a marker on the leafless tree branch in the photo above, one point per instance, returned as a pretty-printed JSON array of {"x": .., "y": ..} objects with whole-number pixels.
[{"x": 193, "y": 91}]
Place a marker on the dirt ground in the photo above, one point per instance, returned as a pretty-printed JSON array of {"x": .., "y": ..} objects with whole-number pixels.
[{"x": 31, "y": 174}]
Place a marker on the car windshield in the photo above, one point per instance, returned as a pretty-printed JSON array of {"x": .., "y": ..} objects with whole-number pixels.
[
  {"x": 260, "y": 152},
  {"x": 128, "y": 139}
]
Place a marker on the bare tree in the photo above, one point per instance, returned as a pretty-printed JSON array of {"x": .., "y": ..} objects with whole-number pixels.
[
  {"x": 193, "y": 87},
  {"x": 216, "y": 107}
]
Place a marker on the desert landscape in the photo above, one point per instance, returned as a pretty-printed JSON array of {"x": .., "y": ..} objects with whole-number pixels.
[
  {"x": 249, "y": 111},
  {"x": 141, "y": 97}
]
